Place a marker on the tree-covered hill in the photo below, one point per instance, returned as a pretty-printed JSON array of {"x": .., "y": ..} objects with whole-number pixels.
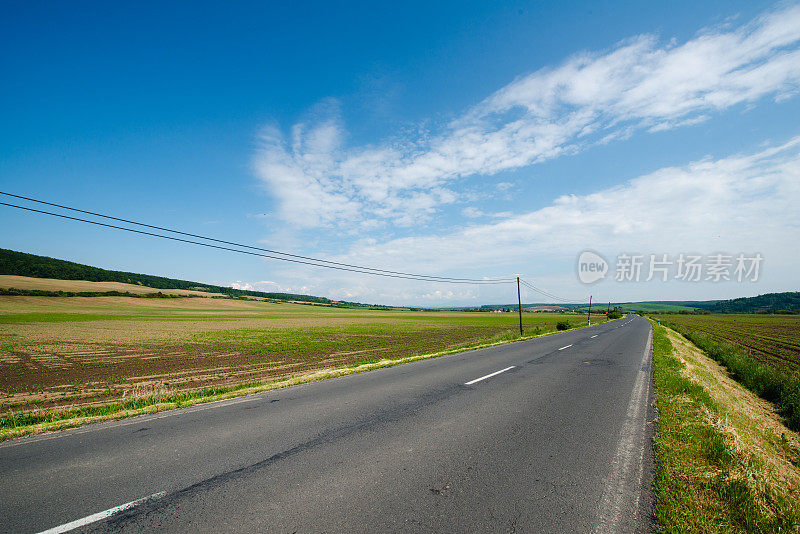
[
  {"x": 767, "y": 303},
  {"x": 23, "y": 264}
]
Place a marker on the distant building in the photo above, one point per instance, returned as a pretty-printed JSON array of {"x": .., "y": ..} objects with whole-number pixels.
[{"x": 542, "y": 309}]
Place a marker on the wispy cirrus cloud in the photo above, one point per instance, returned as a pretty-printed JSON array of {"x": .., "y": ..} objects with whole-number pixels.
[{"x": 641, "y": 84}]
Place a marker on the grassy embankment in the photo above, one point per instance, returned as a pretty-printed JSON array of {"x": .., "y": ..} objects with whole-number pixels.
[
  {"x": 726, "y": 462},
  {"x": 69, "y": 361},
  {"x": 762, "y": 352}
]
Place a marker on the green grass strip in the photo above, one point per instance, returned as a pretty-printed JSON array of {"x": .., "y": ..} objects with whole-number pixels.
[
  {"x": 765, "y": 381},
  {"x": 697, "y": 486}
]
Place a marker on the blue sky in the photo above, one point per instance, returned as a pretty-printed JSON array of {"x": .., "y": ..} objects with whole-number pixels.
[{"x": 452, "y": 139}]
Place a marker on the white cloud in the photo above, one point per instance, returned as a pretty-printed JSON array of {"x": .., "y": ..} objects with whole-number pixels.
[
  {"x": 439, "y": 296},
  {"x": 268, "y": 286},
  {"x": 244, "y": 286},
  {"x": 472, "y": 212},
  {"x": 591, "y": 98},
  {"x": 743, "y": 203}
]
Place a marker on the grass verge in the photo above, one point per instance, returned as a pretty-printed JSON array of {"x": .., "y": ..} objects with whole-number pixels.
[
  {"x": 725, "y": 462},
  {"x": 765, "y": 381},
  {"x": 23, "y": 423}
]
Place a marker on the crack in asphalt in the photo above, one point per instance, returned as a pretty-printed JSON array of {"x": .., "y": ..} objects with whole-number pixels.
[{"x": 398, "y": 412}]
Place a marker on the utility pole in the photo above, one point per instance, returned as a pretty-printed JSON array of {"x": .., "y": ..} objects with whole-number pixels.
[
  {"x": 519, "y": 306},
  {"x": 609, "y": 308},
  {"x": 590, "y": 309}
]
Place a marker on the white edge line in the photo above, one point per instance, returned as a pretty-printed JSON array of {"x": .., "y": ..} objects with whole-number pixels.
[
  {"x": 568, "y": 346},
  {"x": 72, "y": 525},
  {"x": 622, "y": 488},
  {"x": 488, "y": 376}
]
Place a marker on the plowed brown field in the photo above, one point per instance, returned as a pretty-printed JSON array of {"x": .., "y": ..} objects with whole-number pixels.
[{"x": 69, "y": 352}]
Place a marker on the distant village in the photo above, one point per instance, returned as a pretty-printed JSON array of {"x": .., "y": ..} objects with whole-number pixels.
[{"x": 534, "y": 309}]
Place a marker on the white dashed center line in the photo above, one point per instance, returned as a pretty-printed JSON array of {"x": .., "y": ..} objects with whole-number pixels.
[
  {"x": 72, "y": 525},
  {"x": 568, "y": 346},
  {"x": 488, "y": 376}
]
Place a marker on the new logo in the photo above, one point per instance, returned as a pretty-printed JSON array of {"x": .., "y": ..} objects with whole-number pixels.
[{"x": 592, "y": 267}]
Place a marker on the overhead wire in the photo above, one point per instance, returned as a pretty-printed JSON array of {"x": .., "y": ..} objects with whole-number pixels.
[
  {"x": 270, "y": 251},
  {"x": 548, "y": 294},
  {"x": 312, "y": 261}
]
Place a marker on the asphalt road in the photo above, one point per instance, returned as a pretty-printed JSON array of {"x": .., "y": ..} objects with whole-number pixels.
[{"x": 560, "y": 441}]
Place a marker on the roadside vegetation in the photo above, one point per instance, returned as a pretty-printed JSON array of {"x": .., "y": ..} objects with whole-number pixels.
[
  {"x": 725, "y": 461},
  {"x": 762, "y": 352}
]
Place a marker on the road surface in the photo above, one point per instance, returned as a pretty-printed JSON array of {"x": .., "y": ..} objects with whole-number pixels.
[{"x": 552, "y": 434}]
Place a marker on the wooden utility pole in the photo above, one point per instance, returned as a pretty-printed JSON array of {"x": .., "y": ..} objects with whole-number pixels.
[
  {"x": 590, "y": 309},
  {"x": 519, "y": 306},
  {"x": 609, "y": 308}
]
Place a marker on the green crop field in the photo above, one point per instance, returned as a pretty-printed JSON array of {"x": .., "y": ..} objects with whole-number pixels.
[
  {"x": 59, "y": 353},
  {"x": 771, "y": 339}
]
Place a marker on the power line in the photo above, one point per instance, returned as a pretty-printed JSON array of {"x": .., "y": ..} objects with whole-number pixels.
[
  {"x": 542, "y": 291},
  {"x": 318, "y": 261},
  {"x": 407, "y": 276},
  {"x": 272, "y": 254},
  {"x": 547, "y": 293},
  {"x": 550, "y": 295}
]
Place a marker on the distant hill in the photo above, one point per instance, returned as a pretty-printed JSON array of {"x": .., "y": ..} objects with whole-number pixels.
[
  {"x": 31, "y": 265},
  {"x": 767, "y": 303},
  {"x": 661, "y": 306}
]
